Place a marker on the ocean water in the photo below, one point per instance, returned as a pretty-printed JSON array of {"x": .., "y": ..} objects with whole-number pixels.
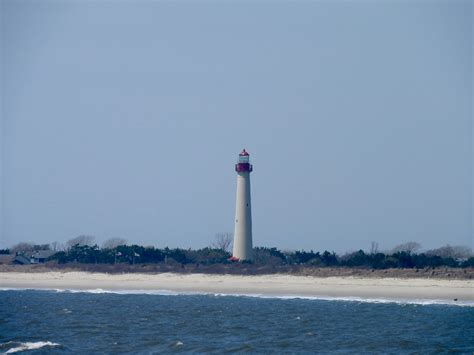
[{"x": 36, "y": 321}]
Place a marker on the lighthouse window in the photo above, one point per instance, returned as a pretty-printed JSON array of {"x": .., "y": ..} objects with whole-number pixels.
[{"x": 247, "y": 204}]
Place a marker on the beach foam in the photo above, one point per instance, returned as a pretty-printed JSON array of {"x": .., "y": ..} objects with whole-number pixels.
[{"x": 401, "y": 301}]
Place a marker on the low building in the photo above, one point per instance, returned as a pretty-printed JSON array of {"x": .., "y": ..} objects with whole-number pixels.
[
  {"x": 34, "y": 257},
  {"x": 21, "y": 259},
  {"x": 40, "y": 256}
]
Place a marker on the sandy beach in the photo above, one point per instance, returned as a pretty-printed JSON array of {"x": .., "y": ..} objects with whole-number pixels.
[{"x": 265, "y": 285}]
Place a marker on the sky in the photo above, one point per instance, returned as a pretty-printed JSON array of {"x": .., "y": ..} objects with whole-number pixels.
[{"x": 125, "y": 119}]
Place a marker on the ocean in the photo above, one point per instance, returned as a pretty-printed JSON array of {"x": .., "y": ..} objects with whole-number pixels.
[{"x": 44, "y": 322}]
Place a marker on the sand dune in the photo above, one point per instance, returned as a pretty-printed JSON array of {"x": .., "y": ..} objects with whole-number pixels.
[{"x": 269, "y": 285}]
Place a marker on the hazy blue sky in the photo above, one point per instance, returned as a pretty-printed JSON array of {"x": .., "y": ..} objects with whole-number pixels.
[{"x": 125, "y": 119}]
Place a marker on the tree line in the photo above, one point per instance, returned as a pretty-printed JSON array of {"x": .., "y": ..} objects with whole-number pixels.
[{"x": 82, "y": 249}]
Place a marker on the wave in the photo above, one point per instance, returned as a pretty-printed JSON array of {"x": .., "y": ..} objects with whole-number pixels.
[
  {"x": 401, "y": 301},
  {"x": 127, "y": 292},
  {"x": 102, "y": 291},
  {"x": 25, "y": 346}
]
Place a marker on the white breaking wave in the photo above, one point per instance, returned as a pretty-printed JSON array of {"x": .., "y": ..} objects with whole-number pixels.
[
  {"x": 30, "y": 346},
  {"x": 102, "y": 291},
  {"x": 127, "y": 292},
  {"x": 401, "y": 301}
]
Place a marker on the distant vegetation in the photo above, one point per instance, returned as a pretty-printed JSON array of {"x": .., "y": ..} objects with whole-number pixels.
[{"x": 115, "y": 251}]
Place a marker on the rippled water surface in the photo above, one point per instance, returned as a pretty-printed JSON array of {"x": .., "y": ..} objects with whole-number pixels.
[{"x": 65, "y": 322}]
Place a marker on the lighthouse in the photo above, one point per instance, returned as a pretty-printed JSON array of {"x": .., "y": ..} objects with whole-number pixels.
[{"x": 243, "y": 210}]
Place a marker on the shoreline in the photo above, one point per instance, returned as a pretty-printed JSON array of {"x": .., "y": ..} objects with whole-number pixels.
[
  {"x": 277, "y": 285},
  {"x": 444, "y": 273}
]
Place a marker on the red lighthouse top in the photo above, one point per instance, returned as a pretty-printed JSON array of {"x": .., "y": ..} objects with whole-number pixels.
[{"x": 243, "y": 165}]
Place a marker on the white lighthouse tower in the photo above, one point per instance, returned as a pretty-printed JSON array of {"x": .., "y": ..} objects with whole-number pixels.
[{"x": 243, "y": 210}]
